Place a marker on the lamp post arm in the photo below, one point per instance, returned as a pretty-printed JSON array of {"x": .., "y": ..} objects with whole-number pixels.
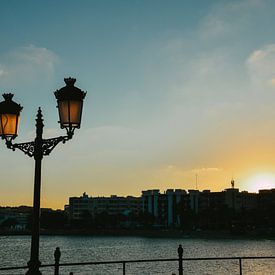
[
  {"x": 48, "y": 145},
  {"x": 26, "y": 147}
]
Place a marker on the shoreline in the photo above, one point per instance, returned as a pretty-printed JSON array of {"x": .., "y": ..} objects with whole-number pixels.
[{"x": 215, "y": 235}]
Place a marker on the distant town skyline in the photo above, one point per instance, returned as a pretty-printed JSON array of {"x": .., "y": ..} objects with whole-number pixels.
[
  {"x": 174, "y": 90},
  {"x": 84, "y": 194},
  {"x": 230, "y": 210}
]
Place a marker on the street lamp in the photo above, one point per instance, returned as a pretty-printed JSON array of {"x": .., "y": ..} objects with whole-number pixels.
[
  {"x": 9, "y": 117},
  {"x": 69, "y": 104}
]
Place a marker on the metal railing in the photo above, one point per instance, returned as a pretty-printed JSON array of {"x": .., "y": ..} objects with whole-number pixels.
[{"x": 180, "y": 260}]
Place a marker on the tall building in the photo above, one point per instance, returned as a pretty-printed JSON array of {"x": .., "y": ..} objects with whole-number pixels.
[
  {"x": 165, "y": 208},
  {"x": 150, "y": 202},
  {"x": 194, "y": 196},
  {"x": 236, "y": 200},
  {"x": 266, "y": 199},
  {"x": 79, "y": 207}
]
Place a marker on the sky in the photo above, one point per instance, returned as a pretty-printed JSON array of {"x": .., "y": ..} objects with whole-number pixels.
[{"x": 174, "y": 88}]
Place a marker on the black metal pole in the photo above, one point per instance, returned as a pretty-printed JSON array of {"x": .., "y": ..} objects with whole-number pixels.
[
  {"x": 34, "y": 262},
  {"x": 240, "y": 266},
  {"x": 180, "y": 253},
  {"x": 57, "y": 255}
]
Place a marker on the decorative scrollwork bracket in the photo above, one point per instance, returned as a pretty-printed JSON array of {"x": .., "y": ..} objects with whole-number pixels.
[
  {"x": 26, "y": 147},
  {"x": 29, "y": 148},
  {"x": 49, "y": 144}
]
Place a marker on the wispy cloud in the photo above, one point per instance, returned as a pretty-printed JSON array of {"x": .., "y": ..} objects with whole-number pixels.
[
  {"x": 229, "y": 18},
  {"x": 206, "y": 169},
  {"x": 39, "y": 56},
  {"x": 3, "y": 71},
  {"x": 177, "y": 171},
  {"x": 260, "y": 65},
  {"x": 26, "y": 63}
]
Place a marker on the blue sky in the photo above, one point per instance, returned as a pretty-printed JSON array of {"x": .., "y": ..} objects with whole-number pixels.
[{"x": 175, "y": 89}]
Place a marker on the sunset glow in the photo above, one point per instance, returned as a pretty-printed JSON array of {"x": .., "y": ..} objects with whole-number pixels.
[{"x": 260, "y": 181}]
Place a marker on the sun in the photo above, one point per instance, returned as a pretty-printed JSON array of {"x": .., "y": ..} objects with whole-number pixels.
[{"x": 260, "y": 181}]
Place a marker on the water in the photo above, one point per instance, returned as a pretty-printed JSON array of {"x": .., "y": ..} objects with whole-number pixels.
[{"x": 15, "y": 250}]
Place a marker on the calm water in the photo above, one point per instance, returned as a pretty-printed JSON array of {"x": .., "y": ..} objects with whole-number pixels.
[{"x": 14, "y": 250}]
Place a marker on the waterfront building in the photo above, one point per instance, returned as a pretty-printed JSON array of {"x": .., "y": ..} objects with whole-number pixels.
[
  {"x": 84, "y": 206},
  {"x": 79, "y": 206},
  {"x": 211, "y": 200},
  {"x": 176, "y": 202},
  {"x": 12, "y": 218},
  {"x": 266, "y": 199},
  {"x": 115, "y": 205},
  {"x": 166, "y": 207},
  {"x": 194, "y": 197},
  {"x": 236, "y": 200},
  {"x": 230, "y": 198},
  {"x": 170, "y": 208},
  {"x": 150, "y": 202}
]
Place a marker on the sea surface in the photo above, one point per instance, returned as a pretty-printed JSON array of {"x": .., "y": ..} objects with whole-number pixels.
[{"x": 15, "y": 251}]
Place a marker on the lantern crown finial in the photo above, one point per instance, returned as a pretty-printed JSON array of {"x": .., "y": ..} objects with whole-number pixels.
[
  {"x": 8, "y": 106},
  {"x": 8, "y": 96},
  {"x": 70, "y": 81}
]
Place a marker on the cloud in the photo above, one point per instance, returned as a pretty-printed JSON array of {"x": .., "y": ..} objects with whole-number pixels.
[
  {"x": 26, "y": 64},
  {"x": 260, "y": 65},
  {"x": 229, "y": 19},
  {"x": 206, "y": 169},
  {"x": 181, "y": 171},
  {"x": 38, "y": 56},
  {"x": 2, "y": 72},
  {"x": 206, "y": 60}
]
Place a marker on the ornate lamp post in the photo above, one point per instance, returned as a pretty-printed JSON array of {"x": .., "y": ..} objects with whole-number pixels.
[{"x": 69, "y": 104}]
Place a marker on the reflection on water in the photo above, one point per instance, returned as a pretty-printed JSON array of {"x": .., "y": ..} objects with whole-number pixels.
[{"x": 15, "y": 250}]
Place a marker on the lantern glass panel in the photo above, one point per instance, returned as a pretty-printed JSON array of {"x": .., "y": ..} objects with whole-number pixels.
[
  {"x": 9, "y": 124},
  {"x": 70, "y": 113}
]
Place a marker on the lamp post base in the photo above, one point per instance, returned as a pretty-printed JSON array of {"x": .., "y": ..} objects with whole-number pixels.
[{"x": 34, "y": 268}]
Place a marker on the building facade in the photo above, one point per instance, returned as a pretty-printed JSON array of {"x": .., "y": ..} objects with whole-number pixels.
[
  {"x": 84, "y": 206},
  {"x": 168, "y": 209},
  {"x": 165, "y": 208}
]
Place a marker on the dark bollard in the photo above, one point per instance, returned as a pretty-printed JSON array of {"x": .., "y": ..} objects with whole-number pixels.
[
  {"x": 180, "y": 252},
  {"x": 57, "y": 255},
  {"x": 240, "y": 266}
]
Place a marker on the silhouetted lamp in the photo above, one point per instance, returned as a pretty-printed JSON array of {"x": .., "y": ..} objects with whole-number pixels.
[
  {"x": 9, "y": 117},
  {"x": 69, "y": 104}
]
